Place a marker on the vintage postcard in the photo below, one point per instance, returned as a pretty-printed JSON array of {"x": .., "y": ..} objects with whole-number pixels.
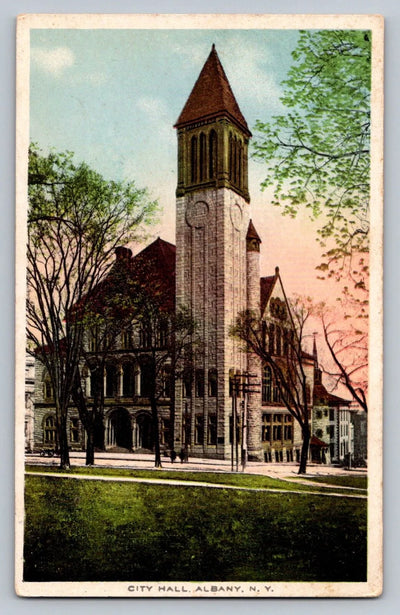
[{"x": 199, "y": 305}]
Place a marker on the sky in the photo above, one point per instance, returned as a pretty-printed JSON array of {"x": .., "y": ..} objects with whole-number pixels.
[{"x": 113, "y": 96}]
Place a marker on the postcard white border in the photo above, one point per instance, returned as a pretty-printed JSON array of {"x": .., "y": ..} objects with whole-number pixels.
[{"x": 373, "y": 586}]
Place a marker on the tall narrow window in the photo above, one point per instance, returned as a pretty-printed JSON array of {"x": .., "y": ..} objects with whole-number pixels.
[
  {"x": 145, "y": 379},
  {"x": 48, "y": 388},
  {"x": 212, "y": 157},
  {"x": 127, "y": 380},
  {"x": 271, "y": 339},
  {"x": 165, "y": 434},
  {"x": 275, "y": 393},
  {"x": 74, "y": 430},
  {"x": 285, "y": 342},
  {"x": 212, "y": 429},
  {"x": 187, "y": 383},
  {"x": 163, "y": 334},
  {"x": 231, "y": 157},
  {"x": 235, "y": 160},
  {"x": 193, "y": 160},
  {"x": 212, "y": 383},
  {"x": 278, "y": 341},
  {"x": 231, "y": 382},
  {"x": 203, "y": 157},
  {"x": 240, "y": 164},
  {"x": 111, "y": 381},
  {"x": 266, "y": 384},
  {"x": 199, "y": 429},
  {"x": 167, "y": 382},
  {"x": 50, "y": 430},
  {"x": 126, "y": 341},
  {"x": 199, "y": 383}
]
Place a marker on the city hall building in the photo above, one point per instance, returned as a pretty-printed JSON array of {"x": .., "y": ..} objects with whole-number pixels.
[{"x": 214, "y": 270}]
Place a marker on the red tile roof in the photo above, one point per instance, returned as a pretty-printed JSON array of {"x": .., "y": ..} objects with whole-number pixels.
[
  {"x": 152, "y": 269},
  {"x": 212, "y": 96}
]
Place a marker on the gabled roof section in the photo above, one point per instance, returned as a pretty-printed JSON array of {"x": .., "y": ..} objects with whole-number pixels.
[
  {"x": 252, "y": 233},
  {"x": 152, "y": 270},
  {"x": 212, "y": 96},
  {"x": 266, "y": 286},
  {"x": 322, "y": 397}
]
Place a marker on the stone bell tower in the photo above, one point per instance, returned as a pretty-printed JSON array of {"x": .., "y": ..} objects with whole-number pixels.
[{"x": 212, "y": 220}]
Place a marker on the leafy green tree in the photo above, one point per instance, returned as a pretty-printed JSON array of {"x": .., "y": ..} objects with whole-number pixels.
[
  {"x": 318, "y": 152},
  {"x": 76, "y": 219}
]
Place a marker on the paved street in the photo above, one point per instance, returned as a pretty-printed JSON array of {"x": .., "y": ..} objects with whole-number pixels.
[{"x": 139, "y": 461}]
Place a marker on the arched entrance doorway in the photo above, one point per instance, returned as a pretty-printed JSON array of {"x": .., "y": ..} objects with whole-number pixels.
[
  {"x": 144, "y": 431},
  {"x": 119, "y": 429}
]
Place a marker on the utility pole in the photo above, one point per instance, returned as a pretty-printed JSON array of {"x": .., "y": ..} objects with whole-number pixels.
[{"x": 241, "y": 383}]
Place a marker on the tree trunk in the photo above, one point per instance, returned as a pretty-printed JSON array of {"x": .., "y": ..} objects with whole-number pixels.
[
  {"x": 156, "y": 434},
  {"x": 90, "y": 444},
  {"x": 305, "y": 430},
  {"x": 63, "y": 443}
]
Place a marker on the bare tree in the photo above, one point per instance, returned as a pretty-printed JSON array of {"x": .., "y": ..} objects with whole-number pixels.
[
  {"x": 136, "y": 300},
  {"x": 75, "y": 221},
  {"x": 347, "y": 343},
  {"x": 288, "y": 369}
]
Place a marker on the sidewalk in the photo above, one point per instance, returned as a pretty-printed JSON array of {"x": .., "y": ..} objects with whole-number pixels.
[{"x": 141, "y": 461}]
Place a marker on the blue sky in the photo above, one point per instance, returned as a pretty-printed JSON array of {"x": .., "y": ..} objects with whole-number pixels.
[{"x": 113, "y": 96}]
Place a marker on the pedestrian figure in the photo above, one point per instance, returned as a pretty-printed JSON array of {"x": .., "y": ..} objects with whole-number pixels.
[
  {"x": 182, "y": 455},
  {"x": 173, "y": 456}
]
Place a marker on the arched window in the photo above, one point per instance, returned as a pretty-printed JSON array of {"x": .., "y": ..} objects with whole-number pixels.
[
  {"x": 212, "y": 156},
  {"x": 203, "y": 157},
  {"x": 193, "y": 160},
  {"x": 266, "y": 384},
  {"x": 50, "y": 430}
]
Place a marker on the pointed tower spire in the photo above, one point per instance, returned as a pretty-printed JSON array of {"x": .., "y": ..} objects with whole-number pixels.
[
  {"x": 213, "y": 135},
  {"x": 315, "y": 352},
  {"x": 212, "y": 96},
  {"x": 252, "y": 239}
]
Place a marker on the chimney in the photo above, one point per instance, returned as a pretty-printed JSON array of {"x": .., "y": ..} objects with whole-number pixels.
[{"x": 123, "y": 254}]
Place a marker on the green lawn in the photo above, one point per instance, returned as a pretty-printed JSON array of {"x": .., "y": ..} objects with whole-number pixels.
[
  {"x": 96, "y": 531},
  {"x": 225, "y": 478},
  {"x": 357, "y": 482}
]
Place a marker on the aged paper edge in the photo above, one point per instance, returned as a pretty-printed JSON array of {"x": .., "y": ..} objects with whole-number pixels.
[{"x": 374, "y": 584}]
